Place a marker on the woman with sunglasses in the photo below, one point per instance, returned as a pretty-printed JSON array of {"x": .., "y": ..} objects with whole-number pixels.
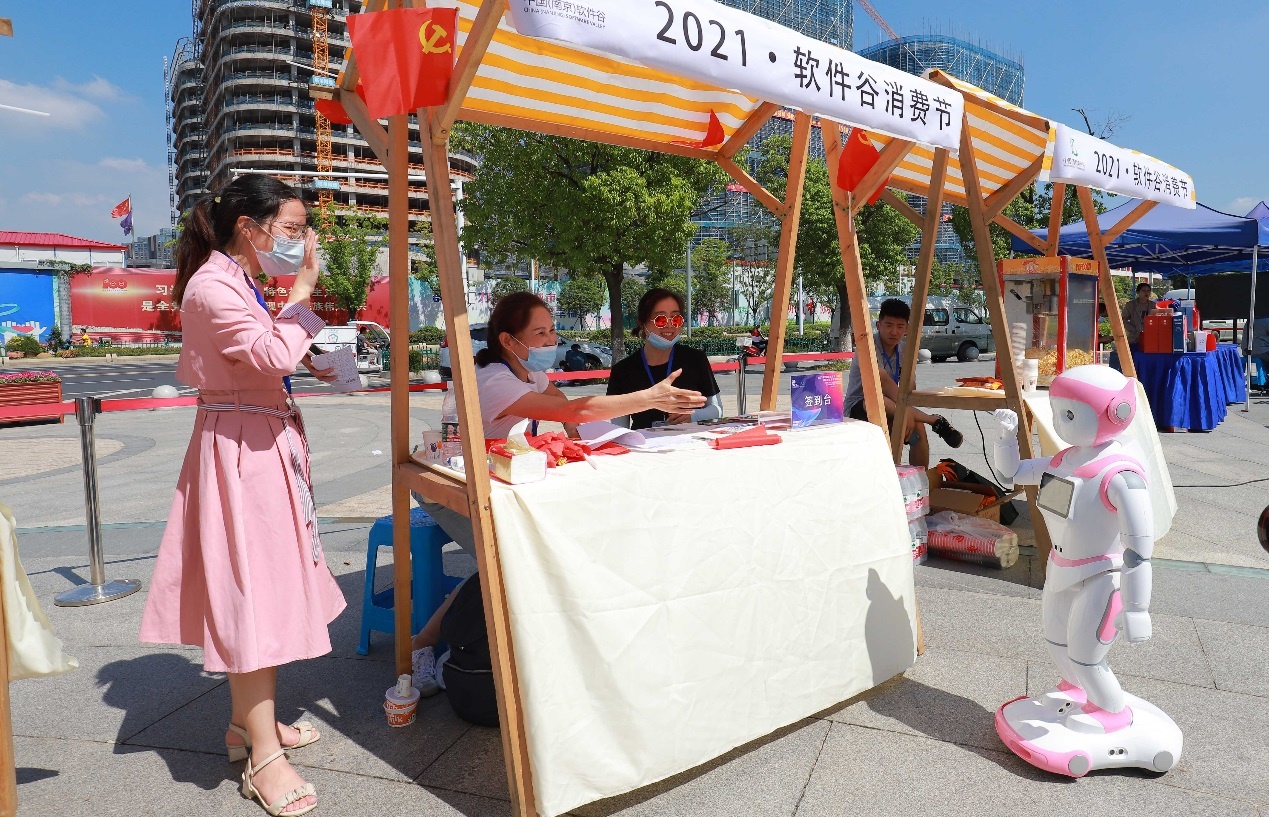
[{"x": 660, "y": 319}]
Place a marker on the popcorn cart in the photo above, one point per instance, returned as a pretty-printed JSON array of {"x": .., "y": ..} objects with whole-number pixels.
[{"x": 1051, "y": 311}]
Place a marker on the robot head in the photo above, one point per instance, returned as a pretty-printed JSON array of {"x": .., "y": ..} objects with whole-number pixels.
[{"x": 1092, "y": 404}]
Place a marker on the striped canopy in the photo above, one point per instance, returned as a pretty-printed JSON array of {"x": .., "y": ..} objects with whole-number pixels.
[
  {"x": 568, "y": 86},
  {"x": 1007, "y": 142}
]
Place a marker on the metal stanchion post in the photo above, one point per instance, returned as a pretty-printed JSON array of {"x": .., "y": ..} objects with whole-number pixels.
[
  {"x": 744, "y": 344},
  {"x": 98, "y": 590}
]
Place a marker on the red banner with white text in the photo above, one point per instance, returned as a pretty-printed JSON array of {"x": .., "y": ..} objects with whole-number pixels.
[{"x": 142, "y": 300}]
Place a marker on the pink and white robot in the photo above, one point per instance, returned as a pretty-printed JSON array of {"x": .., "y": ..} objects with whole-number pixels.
[{"x": 1094, "y": 501}]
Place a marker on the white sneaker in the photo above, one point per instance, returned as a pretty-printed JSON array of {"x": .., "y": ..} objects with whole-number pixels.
[{"x": 423, "y": 664}]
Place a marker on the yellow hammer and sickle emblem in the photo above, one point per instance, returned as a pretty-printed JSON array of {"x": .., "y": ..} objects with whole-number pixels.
[{"x": 431, "y": 45}]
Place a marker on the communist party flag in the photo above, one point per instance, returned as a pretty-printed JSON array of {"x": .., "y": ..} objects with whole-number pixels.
[
  {"x": 405, "y": 56},
  {"x": 334, "y": 111},
  {"x": 858, "y": 157}
]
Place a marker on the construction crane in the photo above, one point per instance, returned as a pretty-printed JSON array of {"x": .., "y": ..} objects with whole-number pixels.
[
  {"x": 321, "y": 67},
  {"x": 878, "y": 19}
]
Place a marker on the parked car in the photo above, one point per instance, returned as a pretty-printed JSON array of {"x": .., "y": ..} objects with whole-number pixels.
[
  {"x": 950, "y": 328},
  {"x": 479, "y": 340},
  {"x": 369, "y": 349}
]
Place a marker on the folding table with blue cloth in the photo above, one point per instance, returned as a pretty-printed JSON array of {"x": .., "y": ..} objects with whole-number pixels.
[{"x": 1190, "y": 390}]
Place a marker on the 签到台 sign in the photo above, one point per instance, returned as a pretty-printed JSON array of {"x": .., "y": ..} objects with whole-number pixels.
[
  {"x": 709, "y": 42},
  {"x": 1091, "y": 162}
]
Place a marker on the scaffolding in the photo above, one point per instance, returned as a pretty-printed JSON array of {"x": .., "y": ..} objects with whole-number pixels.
[{"x": 829, "y": 21}]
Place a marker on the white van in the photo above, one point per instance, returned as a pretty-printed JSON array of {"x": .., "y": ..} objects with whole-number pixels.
[
  {"x": 369, "y": 356},
  {"x": 949, "y": 328}
]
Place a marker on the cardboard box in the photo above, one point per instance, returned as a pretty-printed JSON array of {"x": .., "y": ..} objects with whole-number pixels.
[{"x": 966, "y": 498}]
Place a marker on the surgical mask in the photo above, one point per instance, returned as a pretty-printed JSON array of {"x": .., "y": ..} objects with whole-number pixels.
[
  {"x": 540, "y": 359},
  {"x": 661, "y": 343},
  {"x": 286, "y": 257}
]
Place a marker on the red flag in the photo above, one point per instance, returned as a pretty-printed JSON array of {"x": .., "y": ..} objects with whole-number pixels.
[
  {"x": 122, "y": 208},
  {"x": 334, "y": 111},
  {"x": 856, "y": 160},
  {"x": 714, "y": 134},
  {"x": 406, "y": 57}
]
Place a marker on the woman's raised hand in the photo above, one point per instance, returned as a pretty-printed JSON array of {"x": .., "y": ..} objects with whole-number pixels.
[{"x": 665, "y": 397}]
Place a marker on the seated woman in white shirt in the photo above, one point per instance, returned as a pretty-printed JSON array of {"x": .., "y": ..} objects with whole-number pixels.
[{"x": 512, "y": 386}]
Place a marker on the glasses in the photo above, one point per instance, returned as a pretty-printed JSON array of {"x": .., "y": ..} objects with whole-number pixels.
[
  {"x": 293, "y": 229},
  {"x": 662, "y": 321}
]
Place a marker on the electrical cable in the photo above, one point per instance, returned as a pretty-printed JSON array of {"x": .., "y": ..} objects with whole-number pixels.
[
  {"x": 1231, "y": 485},
  {"x": 987, "y": 459}
]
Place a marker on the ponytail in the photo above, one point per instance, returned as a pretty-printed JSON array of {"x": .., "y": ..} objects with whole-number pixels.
[{"x": 211, "y": 223}]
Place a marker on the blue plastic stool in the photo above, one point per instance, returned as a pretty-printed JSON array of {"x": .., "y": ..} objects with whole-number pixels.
[{"x": 429, "y": 583}]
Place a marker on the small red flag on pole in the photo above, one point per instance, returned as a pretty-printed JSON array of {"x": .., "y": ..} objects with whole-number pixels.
[
  {"x": 714, "y": 134},
  {"x": 405, "y": 56},
  {"x": 122, "y": 208},
  {"x": 858, "y": 157}
]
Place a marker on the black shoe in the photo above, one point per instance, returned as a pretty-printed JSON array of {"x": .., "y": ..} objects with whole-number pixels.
[{"x": 950, "y": 435}]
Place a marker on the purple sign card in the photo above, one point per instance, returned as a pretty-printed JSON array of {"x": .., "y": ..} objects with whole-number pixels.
[{"x": 818, "y": 399}]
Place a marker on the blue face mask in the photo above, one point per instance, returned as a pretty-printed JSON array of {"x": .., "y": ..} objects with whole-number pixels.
[
  {"x": 659, "y": 342},
  {"x": 541, "y": 358},
  {"x": 286, "y": 257}
]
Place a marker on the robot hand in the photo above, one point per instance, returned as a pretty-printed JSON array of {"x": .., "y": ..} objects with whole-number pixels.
[
  {"x": 1135, "y": 625},
  {"x": 1008, "y": 420}
]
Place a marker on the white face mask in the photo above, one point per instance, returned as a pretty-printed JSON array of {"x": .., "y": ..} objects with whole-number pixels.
[{"x": 286, "y": 257}]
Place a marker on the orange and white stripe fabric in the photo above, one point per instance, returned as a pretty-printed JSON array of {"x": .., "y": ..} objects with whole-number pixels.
[
  {"x": 570, "y": 86},
  {"x": 1005, "y": 144}
]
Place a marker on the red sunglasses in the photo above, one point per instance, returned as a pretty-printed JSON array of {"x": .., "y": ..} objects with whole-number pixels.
[{"x": 662, "y": 321}]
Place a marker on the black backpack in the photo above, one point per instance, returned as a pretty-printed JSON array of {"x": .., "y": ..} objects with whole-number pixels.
[{"x": 468, "y": 671}]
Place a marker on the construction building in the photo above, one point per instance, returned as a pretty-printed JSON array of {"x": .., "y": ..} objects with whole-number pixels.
[
  {"x": 1000, "y": 74},
  {"x": 238, "y": 97}
]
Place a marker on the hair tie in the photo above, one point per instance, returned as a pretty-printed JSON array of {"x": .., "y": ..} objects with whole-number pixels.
[{"x": 216, "y": 200}]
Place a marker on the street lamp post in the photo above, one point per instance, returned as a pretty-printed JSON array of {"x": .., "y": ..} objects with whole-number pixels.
[{"x": 689, "y": 289}]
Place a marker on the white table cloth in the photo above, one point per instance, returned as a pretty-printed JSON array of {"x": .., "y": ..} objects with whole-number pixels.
[{"x": 666, "y": 608}]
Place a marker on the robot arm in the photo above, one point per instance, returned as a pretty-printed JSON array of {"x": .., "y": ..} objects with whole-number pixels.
[
  {"x": 1009, "y": 463},
  {"x": 1127, "y": 492}
]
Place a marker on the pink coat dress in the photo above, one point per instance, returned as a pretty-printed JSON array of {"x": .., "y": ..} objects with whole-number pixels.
[{"x": 240, "y": 571}]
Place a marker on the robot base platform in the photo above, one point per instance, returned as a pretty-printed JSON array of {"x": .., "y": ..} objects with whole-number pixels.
[{"x": 1054, "y": 732}]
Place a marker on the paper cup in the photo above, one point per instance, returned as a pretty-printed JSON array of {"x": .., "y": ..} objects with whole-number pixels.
[
  {"x": 432, "y": 445},
  {"x": 400, "y": 711}
]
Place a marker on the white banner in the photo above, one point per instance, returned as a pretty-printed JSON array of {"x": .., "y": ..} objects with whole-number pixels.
[
  {"x": 1086, "y": 160},
  {"x": 712, "y": 43}
]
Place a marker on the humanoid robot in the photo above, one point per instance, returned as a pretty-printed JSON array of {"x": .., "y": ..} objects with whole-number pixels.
[{"x": 1094, "y": 500}]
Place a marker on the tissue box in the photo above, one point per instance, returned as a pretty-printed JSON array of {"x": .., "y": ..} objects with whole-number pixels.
[{"x": 518, "y": 467}]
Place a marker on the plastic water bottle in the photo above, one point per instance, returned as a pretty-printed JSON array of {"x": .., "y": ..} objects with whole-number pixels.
[{"x": 451, "y": 440}]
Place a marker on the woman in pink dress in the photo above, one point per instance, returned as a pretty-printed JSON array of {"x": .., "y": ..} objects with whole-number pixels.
[{"x": 240, "y": 571}]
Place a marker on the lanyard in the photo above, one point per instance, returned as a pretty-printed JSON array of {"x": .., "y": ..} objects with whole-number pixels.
[
  {"x": 892, "y": 367},
  {"x": 669, "y": 366},
  {"x": 533, "y": 424},
  {"x": 286, "y": 381}
]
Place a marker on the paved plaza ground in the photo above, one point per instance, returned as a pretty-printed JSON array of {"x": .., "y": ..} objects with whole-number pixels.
[{"x": 137, "y": 728}]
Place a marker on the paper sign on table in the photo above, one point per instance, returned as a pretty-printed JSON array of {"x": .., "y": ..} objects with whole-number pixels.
[
  {"x": 344, "y": 362},
  {"x": 817, "y": 399}
]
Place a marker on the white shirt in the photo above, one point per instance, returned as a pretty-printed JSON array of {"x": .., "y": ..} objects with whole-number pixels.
[{"x": 498, "y": 388}]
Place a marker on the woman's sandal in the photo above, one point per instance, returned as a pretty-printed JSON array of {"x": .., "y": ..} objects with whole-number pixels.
[
  {"x": 250, "y": 791},
  {"x": 308, "y": 735}
]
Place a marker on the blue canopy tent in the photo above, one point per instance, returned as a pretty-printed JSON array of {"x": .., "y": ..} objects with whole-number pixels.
[{"x": 1172, "y": 241}]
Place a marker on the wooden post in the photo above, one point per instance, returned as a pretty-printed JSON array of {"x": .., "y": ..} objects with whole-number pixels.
[
  {"x": 398, "y": 161},
  {"x": 1106, "y": 283},
  {"x": 786, "y": 259},
  {"x": 999, "y": 328},
  {"x": 920, "y": 291},
  {"x": 8, "y": 762},
  {"x": 856, "y": 289},
  {"x": 471, "y": 426}
]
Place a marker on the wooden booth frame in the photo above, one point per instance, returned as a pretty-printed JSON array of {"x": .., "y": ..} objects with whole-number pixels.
[{"x": 470, "y": 496}]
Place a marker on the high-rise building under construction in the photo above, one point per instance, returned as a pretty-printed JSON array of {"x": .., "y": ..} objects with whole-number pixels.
[{"x": 238, "y": 101}]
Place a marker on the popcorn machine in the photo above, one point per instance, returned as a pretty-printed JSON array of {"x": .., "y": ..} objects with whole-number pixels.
[{"x": 1051, "y": 311}]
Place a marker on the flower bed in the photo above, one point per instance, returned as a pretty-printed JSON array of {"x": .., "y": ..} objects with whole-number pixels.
[{"x": 30, "y": 388}]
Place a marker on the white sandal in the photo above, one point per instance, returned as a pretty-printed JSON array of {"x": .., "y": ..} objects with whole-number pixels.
[
  {"x": 250, "y": 791},
  {"x": 308, "y": 735}
]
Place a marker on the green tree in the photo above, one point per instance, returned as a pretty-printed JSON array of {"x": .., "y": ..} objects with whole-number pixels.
[
  {"x": 711, "y": 278},
  {"x": 883, "y": 232},
  {"x": 1030, "y": 210},
  {"x": 349, "y": 242},
  {"x": 504, "y": 287},
  {"x": 423, "y": 256},
  {"x": 582, "y": 296},
  {"x": 631, "y": 293},
  {"x": 590, "y": 208}
]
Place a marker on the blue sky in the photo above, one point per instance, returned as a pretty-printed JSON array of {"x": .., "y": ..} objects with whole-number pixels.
[{"x": 1185, "y": 72}]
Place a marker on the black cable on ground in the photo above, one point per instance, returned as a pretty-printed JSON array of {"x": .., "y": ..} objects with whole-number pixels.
[
  {"x": 1231, "y": 485},
  {"x": 991, "y": 468}
]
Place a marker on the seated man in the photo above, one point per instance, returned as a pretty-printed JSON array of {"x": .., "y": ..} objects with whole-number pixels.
[
  {"x": 575, "y": 359},
  {"x": 892, "y": 326}
]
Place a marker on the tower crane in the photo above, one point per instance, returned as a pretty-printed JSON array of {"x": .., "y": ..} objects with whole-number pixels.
[
  {"x": 878, "y": 19},
  {"x": 321, "y": 65}
]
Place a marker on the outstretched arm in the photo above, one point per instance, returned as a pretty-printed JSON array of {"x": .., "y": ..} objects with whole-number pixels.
[
  {"x": 1009, "y": 463},
  {"x": 1127, "y": 492}
]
